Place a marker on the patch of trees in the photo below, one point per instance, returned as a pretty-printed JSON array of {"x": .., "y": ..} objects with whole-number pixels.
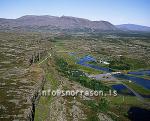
[
  {"x": 124, "y": 63},
  {"x": 120, "y": 64},
  {"x": 74, "y": 74}
]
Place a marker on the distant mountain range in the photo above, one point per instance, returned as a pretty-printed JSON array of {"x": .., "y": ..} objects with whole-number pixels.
[
  {"x": 133, "y": 27},
  {"x": 63, "y": 23}
]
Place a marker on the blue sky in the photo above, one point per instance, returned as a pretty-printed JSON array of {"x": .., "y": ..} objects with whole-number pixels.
[{"x": 114, "y": 11}]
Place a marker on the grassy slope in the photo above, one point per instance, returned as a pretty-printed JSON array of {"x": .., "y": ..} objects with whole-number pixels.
[{"x": 42, "y": 110}]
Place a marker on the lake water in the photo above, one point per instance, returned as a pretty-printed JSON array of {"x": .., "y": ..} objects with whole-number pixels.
[
  {"x": 142, "y": 72},
  {"x": 140, "y": 81},
  {"x": 121, "y": 89}
]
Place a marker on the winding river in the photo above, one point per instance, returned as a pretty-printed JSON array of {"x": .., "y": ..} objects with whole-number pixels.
[{"x": 140, "y": 81}]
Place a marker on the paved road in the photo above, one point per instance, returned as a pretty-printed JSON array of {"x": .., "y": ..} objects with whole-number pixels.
[
  {"x": 49, "y": 55},
  {"x": 137, "y": 95},
  {"x": 100, "y": 76},
  {"x": 106, "y": 77},
  {"x": 134, "y": 92}
]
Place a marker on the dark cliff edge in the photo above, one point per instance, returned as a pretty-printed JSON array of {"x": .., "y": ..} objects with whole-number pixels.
[{"x": 33, "y": 98}]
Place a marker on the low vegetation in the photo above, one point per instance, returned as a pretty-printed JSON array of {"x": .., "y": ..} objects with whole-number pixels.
[{"x": 76, "y": 75}]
